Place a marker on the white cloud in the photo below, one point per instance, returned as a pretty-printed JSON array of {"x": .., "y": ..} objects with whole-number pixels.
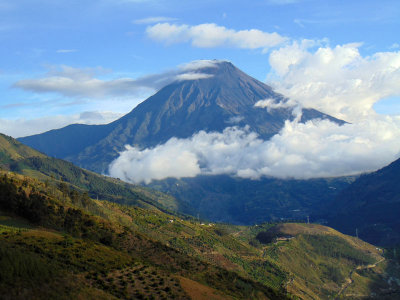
[
  {"x": 395, "y": 46},
  {"x": 270, "y": 104},
  {"x": 24, "y": 127},
  {"x": 211, "y": 35},
  {"x": 84, "y": 83},
  {"x": 318, "y": 148},
  {"x": 338, "y": 81},
  {"x": 75, "y": 82},
  {"x": 157, "y": 163},
  {"x": 235, "y": 120},
  {"x": 152, "y": 20},
  {"x": 121, "y": 94},
  {"x": 200, "y": 64},
  {"x": 97, "y": 117},
  {"x": 192, "y": 76}
]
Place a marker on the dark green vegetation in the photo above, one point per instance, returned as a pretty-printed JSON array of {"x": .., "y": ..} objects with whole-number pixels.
[
  {"x": 58, "y": 243},
  {"x": 244, "y": 201},
  {"x": 370, "y": 205},
  {"x": 180, "y": 109},
  {"x": 93, "y": 248}
]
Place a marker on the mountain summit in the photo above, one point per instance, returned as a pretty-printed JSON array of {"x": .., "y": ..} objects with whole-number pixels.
[{"x": 210, "y": 97}]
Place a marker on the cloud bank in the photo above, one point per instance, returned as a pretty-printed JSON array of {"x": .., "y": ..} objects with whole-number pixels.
[
  {"x": 336, "y": 80},
  {"x": 210, "y": 35},
  {"x": 318, "y": 148}
]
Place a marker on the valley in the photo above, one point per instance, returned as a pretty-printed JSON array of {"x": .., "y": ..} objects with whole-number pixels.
[{"x": 143, "y": 253}]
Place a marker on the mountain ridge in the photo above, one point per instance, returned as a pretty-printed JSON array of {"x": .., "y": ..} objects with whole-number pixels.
[
  {"x": 17, "y": 157},
  {"x": 369, "y": 206}
]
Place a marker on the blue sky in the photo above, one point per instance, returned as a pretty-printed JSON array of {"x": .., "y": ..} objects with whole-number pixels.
[{"x": 90, "y": 47}]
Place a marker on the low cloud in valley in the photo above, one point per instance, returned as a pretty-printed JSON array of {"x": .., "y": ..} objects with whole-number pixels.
[{"x": 318, "y": 148}]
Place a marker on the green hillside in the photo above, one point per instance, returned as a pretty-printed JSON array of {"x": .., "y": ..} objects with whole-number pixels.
[
  {"x": 54, "y": 236},
  {"x": 325, "y": 264},
  {"x": 22, "y": 159},
  {"x": 83, "y": 252}
]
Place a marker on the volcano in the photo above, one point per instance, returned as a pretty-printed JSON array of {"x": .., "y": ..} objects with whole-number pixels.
[{"x": 211, "y": 99}]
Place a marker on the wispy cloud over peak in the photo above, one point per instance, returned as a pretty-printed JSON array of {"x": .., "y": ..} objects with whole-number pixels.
[
  {"x": 87, "y": 83},
  {"x": 192, "y": 76},
  {"x": 200, "y": 64}
]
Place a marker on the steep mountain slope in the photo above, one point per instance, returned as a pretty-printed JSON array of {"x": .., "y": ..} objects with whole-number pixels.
[
  {"x": 17, "y": 157},
  {"x": 244, "y": 201},
  {"x": 370, "y": 205},
  {"x": 180, "y": 109},
  {"x": 59, "y": 244}
]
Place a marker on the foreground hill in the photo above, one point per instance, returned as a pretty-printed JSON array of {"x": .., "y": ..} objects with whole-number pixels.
[
  {"x": 329, "y": 265},
  {"x": 57, "y": 243},
  {"x": 370, "y": 205},
  {"x": 224, "y": 97},
  {"x": 80, "y": 248}
]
